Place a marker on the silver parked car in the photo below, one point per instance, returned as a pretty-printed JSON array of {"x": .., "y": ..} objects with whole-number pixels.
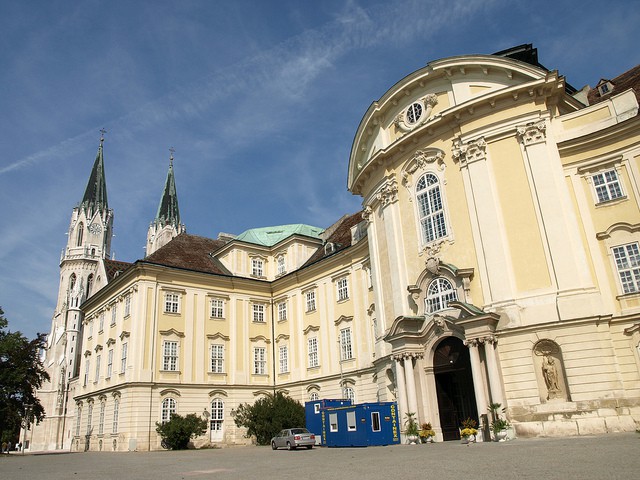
[{"x": 293, "y": 438}]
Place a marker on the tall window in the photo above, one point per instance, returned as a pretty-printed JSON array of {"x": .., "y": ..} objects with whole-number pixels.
[
  {"x": 284, "y": 359},
  {"x": 349, "y": 394},
  {"x": 101, "y": 420},
  {"x": 311, "y": 300},
  {"x": 98, "y": 358},
  {"x": 123, "y": 358},
  {"x": 101, "y": 322},
  {"x": 430, "y": 208},
  {"x": 258, "y": 312},
  {"x": 314, "y": 396},
  {"x": 607, "y": 186},
  {"x": 170, "y": 356},
  {"x": 312, "y": 348},
  {"x": 627, "y": 259},
  {"x": 345, "y": 344},
  {"x": 78, "y": 419},
  {"x": 257, "y": 269},
  {"x": 86, "y": 371},
  {"x": 259, "y": 360},
  {"x": 217, "y": 308},
  {"x": 89, "y": 415},
  {"x": 80, "y": 234},
  {"x": 127, "y": 305},
  {"x": 217, "y": 358},
  {"x": 116, "y": 412},
  {"x": 282, "y": 268},
  {"x": 171, "y": 303},
  {"x": 168, "y": 409},
  {"x": 439, "y": 293},
  {"x": 343, "y": 289},
  {"x": 282, "y": 311},
  {"x": 114, "y": 313},
  {"x": 217, "y": 414},
  {"x": 90, "y": 328},
  {"x": 109, "y": 363}
]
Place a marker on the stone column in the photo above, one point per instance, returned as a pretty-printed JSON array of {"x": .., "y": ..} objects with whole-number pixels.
[
  {"x": 402, "y": 392},
  {"x": 478, "y": 380},
  {"x": 411, "y": 385},
  {"x": 492, "y": 369}
]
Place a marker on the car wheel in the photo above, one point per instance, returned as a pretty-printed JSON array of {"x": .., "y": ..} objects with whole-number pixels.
[
  {"x": 309, "y": 447},
  {"x": 290, "y": 447},
  {"x": 273, "y": 446}
]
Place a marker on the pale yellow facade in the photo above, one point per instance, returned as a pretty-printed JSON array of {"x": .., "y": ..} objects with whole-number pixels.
[{"x": 494, "y": 262}]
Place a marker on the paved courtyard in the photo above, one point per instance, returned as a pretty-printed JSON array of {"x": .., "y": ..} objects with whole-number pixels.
[{"x": 614, "y": 456}]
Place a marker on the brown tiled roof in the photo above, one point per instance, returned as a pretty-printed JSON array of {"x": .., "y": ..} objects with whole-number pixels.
[
  {"x": 629, "y": 79},
  {"x": 190, "y": 252},
  {"x": 114, "y": 268},
  {"x": 340, "y": 237}
]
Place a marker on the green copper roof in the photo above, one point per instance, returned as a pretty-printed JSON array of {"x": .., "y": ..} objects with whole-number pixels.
[
  {"x": 168, "y": 211},
  {"x": 95, "y": 195},
  {"x": 269, "y": 236}
]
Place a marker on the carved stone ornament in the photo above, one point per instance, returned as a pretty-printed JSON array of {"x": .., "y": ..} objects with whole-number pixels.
[
  {"x": 367, "y": 214},
  {"x": 425, "y": 104},
  {"x": 433, "y": 265},
  {"x": 470, "y": 151},
  {"x": 433, "y": 250},
  {"x": 388, "y": 193},
  {"x": 419, "y": 161},
  {"x": 532, "y": 133}
]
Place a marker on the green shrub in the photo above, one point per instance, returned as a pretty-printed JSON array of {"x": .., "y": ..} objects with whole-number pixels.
[
  {"x": 268, "y": 415},
  {"x": 177, "y": 432}
]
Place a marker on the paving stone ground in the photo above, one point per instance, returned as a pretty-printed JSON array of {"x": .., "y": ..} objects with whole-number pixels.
[{"x": 609, "y": 457}]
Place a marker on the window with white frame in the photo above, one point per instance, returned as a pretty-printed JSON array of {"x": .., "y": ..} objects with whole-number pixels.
[
  {"x": 101, "y": 420},
  {"x": 89, "y": 415},
  {"x": 90, "y": 328},
  {"x": 171, "y": 302},
  {"x": 168, "y": 409},
  {"x": 282, "y": 311},
  {"x": 78, "y": 419},
  {"x": 343, "y": 289},
  {"x": 109, "y": 363},
  {"x": 258, "y": 312},
  {"x": 607, "y": 185},
  {"x": 116, "y": 412},
  {"x": 127, "y": 305},
  {"x": 170, "y": 355},
  {"x": 430, "y": 208},
  {"x": 217, "y": 308},
  {"x": 123, "y": 358},
  {"x": 101, "y": 322},
  {"x": 284, "y": 359},
  {"x": 627, "y": 259},
  {"x": 98, "y": 358},
  {"x": 439, "y": 293},
  {"x": 114, "y": 314},
  {"x": 257, "y": 267},
  {"x": 312, "y": 350},
  {"x": 282, "y": 268},
  {"x": 259, "y": 360},
  {"x": 346, "y": 352},
  {"x": 217, "y": 358},
  {"x": 87, "y": 364},
  {"x": 311, "y": 300},
  {"x": 217, "y": 414},
  {"x": 349, "y": 394},
  {"x": 314, "y": 397}
]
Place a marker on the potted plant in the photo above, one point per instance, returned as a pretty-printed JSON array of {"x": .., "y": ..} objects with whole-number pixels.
[
  {"x": 498, "y": 425},
  {"x": 411, "y": 427},
  {"x": 468, "y": 431},
  {"x": 426, "y": 433}
]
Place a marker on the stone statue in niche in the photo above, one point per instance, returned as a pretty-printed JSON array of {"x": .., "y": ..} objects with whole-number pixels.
[{"x": 549, "y": 364}]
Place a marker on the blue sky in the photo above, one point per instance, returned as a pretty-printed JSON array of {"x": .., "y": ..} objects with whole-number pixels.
[{"x": 260, "y": 99}]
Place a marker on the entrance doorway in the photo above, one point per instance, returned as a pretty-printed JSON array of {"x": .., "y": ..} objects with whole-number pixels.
[{"x": 454, "y": 386}]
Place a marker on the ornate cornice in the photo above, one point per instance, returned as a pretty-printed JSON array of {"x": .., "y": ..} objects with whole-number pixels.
[
  {"x": 469, "y": 152},
  {"x": 532, "y": 133},
  {"x": 388, "y": 193}
]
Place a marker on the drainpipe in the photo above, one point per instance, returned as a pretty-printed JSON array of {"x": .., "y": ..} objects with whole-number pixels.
[
  {"x": 273, "y": 348},
  {"x": 152, "y": 335}
]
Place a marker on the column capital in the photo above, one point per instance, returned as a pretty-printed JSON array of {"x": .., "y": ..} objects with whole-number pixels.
[
  {"x": 532, "y": 133},
  {"x": 467, "y": 152}
]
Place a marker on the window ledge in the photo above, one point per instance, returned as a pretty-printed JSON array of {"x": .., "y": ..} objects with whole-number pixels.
[
  {"x": 317, "y": 367},
  {"x": 613, "y": 201},
  {"x": 217, "y": 374},
  {"x": 170, "y": 371},
  {"x": 628, "y": 296},
  {"x": 217, "y": 318}
]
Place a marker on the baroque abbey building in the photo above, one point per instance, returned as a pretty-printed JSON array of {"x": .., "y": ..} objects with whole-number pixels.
[{"x": 496, "y": 259}]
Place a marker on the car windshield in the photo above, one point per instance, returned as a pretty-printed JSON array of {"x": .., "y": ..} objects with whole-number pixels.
[{"x": 296, "y": 431}]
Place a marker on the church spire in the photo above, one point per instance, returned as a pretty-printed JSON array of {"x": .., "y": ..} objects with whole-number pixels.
[
  {"x": 168, "y": 211},
  {"x": 95, "y": 195}
]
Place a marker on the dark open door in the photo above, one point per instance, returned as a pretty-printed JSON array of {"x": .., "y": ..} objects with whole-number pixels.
[{"x": 454, "y": 386}]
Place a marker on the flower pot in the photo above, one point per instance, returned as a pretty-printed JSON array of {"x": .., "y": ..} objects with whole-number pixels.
[
  {"x": 500, "y": 436},
  {"x": 413, "y": 439}
]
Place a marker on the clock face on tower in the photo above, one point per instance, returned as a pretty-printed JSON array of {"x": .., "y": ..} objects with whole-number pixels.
[{"x": 95, "y": 228}]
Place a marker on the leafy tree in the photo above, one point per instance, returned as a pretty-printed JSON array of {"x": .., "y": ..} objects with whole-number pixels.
[
  {"x": 268, "y": 415},
  {"x": 177, "y": 432},
  {"x": 21, "y": 374}
]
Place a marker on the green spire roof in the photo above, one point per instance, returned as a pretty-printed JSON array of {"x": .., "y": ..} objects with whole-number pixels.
[
  {"x": 269, "y": 236},
  {"x": 168, "y": 211},
  {"x": 95, "y": 195}
]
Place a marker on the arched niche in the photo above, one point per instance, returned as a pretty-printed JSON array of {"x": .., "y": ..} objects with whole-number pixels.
[{"x": 549, "y": 368}]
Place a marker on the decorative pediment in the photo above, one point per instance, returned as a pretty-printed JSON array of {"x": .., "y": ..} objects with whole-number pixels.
[
  {"x": 218, "y": 393},
  {"x": 310, "y": 328},
  {"x": 170, "y": 391},
  {"x": 171, "y": 331},
  {"x": 87, "y": 353},
  {"x": 626, "y": 227},
  {"x": 124, "y": 335},
  {"x": 282, "y": 337},
  {"x": 110, "y": 342},
  {"x": 283, "y": 391},
  {"x": 342, "y": 318},
  {"x": 419, "y": 162},
  {"x": 260, "y": 338},
  {"x": 265, "y": 393},
  {"x": 313, "y": 387},
  {"x": 98, "y": 348},
  {"x": 217, "y": 336}
]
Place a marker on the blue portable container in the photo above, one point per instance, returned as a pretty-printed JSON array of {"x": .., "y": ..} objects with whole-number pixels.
[
  {"x": 313, "y": 414},
  {"x": 361, "y": 425}
]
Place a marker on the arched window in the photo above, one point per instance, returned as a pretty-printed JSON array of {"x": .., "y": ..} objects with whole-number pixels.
[
  {"x": 89, "y": 285},
  {"x": 349, "y": 394},
  {"x": 217, "y": 414},
  {"x": 72, "y": 282},
  {"x": 80, "y": 234},
  {"x": 168, "y": 409},
  {"x": 314, "y": 396},
  {"x": 439, "y": 293},
  {"x": 430, "y": 208}
]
